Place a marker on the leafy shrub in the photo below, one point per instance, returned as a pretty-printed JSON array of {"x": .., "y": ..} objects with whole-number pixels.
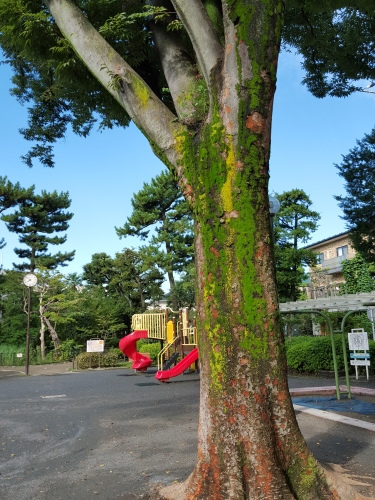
[
  {"x": 94, "y": 359},
  {"x": 311, "y": 354},
  {"x": 152, "y": 348},
  {"x": 67, "y": 350}
]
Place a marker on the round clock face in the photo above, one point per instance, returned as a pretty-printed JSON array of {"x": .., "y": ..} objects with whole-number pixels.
[{"x": 30, "y": 279}]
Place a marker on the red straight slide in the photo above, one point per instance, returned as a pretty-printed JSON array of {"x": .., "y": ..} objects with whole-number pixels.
[
  {"x": 128, "y": 345},
  {"x": 185, "y": 362}
]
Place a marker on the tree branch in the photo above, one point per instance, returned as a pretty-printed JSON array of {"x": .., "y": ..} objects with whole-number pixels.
[
  {"x": 146, "y": 110},
  {"x": 202, "y": 34},
  {"x": 179, "y": 70}
]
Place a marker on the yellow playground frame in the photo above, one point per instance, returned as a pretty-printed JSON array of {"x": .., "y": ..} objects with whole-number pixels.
[{"x": 179, "y": 333}]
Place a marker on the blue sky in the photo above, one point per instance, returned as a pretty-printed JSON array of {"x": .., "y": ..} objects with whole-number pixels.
[{"x": 102, "y": 172}]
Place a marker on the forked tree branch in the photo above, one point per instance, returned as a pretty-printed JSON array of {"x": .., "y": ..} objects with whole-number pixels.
[
  {"x": 146, "y": 110},
  {"x": 202, "y": 34}
]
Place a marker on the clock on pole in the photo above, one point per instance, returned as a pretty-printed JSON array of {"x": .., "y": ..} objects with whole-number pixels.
[{"x": 30, "y": 280}]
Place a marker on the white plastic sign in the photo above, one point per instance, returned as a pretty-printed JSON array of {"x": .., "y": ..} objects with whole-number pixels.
[{"x": 96, "y": 345}]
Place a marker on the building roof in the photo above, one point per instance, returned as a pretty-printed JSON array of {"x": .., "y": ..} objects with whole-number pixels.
[{"x": 331, "y": 238}]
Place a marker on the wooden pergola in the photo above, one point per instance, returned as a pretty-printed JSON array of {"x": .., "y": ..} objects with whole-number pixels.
[
  {"x": 357, "y": 302},
  {"x": 350, "y": 304}
]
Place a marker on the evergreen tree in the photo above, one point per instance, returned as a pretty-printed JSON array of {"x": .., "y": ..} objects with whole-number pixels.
[
  {"x": 36, "y": 221},
  {"x": 10, "y": 196},
  {"x": 293, "y": 225},
  {"x": 13, "y": 301},
  {"x": 358, "y": 206},
  {"x": 127, "y": 277},
  {"x": 160, "y": 208}
]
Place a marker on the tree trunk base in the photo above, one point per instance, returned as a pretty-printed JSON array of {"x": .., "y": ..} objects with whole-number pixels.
[{"x": 339, "y": 485}]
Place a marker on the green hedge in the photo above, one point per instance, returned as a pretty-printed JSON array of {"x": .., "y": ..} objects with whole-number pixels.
[
  {"x": 311, "y": 354},
  {"x": 153, "y": 348},
  {"x": 91, "y": 359}
]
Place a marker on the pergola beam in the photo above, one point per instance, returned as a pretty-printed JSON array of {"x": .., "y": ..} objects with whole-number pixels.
[{"x": 341, "y": 303}]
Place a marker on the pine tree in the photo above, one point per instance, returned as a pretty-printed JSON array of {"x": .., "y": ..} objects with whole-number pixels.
[
  {"x": 294, "y": 223},
  {"x": 160, "y": 208},
  {"x": 36, "y": 221},
  {"x": 10, "y": 196},
  {"x": 358, "y": 171}
]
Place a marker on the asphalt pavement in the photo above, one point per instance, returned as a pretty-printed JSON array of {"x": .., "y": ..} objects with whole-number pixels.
[{"x": 115, "y": 433}]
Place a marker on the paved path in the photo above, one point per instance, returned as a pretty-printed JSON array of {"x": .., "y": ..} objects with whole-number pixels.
[{"x": 111, "y": 433}]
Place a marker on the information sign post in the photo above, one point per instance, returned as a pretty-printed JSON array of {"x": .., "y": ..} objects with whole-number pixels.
[
  {"x": 358, "y": 343},
  {"x": 95, "y": 345}
]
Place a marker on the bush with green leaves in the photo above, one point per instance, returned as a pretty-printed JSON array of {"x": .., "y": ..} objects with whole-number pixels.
[
  {"x": 152, "y": 348},
  {"x": 312, "y": 354},
  {"x": 67, "y": 351},
  {"x": 107, "y": 359}
]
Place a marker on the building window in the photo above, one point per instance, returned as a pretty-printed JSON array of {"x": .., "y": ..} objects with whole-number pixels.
[
  {"x": 342, "y": 251},
  {"x": 320, "y": 258}
]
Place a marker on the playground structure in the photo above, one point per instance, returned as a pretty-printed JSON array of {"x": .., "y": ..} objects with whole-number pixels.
[{"x": 177, "y": 336}]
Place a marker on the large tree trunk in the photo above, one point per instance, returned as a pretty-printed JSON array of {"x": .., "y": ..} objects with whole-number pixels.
[{"x": 250, "y": 445}]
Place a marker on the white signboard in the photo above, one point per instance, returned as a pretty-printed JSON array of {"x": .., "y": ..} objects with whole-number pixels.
[
  {"x": 360, "y": 362},
  {"x": 358, "y": 340},
  {"x": 96, "y": 345}
]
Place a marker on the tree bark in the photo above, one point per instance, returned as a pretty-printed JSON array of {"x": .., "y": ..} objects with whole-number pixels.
[
  {"x": 249, "y": 443},
  {"x": 42, "y": 336},
  {"x": 52, "y": 332}
]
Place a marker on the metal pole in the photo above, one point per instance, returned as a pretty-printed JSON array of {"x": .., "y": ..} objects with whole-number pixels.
[{"x": 28, "y": 330}]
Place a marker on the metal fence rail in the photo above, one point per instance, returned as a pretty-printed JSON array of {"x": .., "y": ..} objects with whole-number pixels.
[{"x": 154, "y": 323}]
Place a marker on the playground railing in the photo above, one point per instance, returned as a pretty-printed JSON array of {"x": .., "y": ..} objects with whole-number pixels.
[
  {"x": 189, "y": 336},
  {"x": 154, "y": 323},
  {"x": 161, "y": 355}
]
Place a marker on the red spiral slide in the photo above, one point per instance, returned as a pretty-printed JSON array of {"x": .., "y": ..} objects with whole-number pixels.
[{"x": 128, "y": 345}]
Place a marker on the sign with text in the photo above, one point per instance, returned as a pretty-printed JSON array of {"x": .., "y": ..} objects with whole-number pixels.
[
  {"x": 95, "y": 345},
  {"x": 358, "y": 342}
]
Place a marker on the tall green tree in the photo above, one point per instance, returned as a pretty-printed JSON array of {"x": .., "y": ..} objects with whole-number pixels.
[
  {"x": 358, "y": 205},
  {"x": 36, "y": 221},
  {"x": 13, "y": 302},
  {"x": 293, "y": 225},
  {"x": 212, "y": 128},
  {"x": 160, "y": 209},
  {"x": 128, "y": 278},
  {"x": 10, "y": 196}
]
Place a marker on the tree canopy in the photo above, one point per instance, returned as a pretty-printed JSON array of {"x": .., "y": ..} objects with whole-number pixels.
[
  {"x": 334, "y": 38},
  {"x": 10, "y": 196}
]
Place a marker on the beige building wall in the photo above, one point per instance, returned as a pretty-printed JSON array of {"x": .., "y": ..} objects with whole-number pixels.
[{"x": 332, "y": 251}]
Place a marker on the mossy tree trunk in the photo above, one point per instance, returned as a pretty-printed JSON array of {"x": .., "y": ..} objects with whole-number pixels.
[{"x": 217, "y": 141}]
